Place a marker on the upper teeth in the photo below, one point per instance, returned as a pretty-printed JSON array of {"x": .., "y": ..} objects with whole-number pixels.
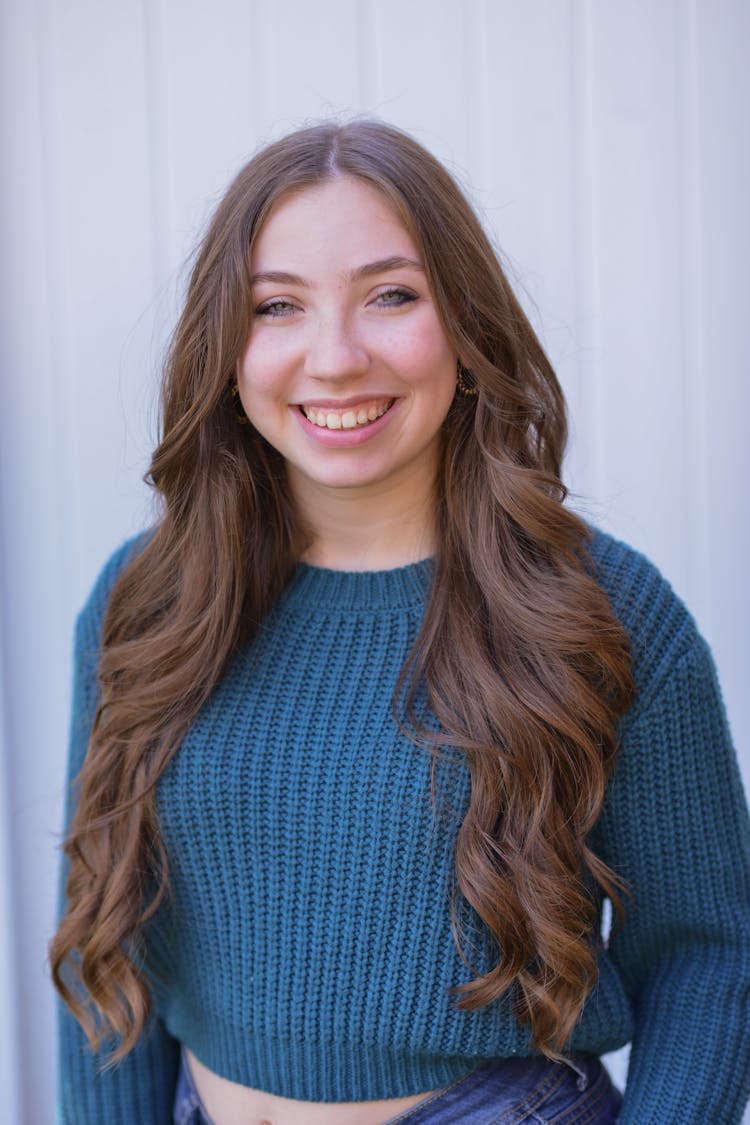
[{"x": 346, "y": 419}]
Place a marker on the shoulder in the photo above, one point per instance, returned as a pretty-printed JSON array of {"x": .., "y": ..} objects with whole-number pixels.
[
  {"x": 86, "y": 648},
  {"x": 91, "y": 615},
  {"x": 661, "y": 629}
]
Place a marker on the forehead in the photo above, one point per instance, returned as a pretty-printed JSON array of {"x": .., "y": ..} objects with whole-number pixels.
[{"x": 342, "y": 217}]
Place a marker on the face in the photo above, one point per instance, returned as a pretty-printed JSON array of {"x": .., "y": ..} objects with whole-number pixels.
[{"x": 347, "y": 371}]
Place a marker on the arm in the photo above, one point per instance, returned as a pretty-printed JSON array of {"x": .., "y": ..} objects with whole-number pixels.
[
  {"x": 138, "y": 1091},
  {"x": 141, "y": 1088},
  {"x": 675, "y": 825}
]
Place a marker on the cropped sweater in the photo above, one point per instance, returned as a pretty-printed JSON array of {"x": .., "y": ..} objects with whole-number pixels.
[{"x": 306, "y": 949}]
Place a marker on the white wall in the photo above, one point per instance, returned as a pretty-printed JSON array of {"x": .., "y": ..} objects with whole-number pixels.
[{"x": 606, "y": 145}]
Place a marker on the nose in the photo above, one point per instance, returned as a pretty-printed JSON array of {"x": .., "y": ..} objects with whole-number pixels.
[{"x": 335, "y": 351}]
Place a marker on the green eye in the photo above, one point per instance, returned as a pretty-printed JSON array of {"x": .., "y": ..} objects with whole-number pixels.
[
  {"x": 275, "y": 309},
  {"x": 396, "y": 297}
]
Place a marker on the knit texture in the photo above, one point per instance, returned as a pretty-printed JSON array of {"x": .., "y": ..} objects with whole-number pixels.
[{"x": 306, "y": 948}]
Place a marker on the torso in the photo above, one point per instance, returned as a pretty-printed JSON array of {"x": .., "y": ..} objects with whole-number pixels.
[{"x": 229, "y": 1103}]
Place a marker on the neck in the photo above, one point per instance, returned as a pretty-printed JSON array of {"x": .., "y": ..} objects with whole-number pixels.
[{"x": 377, "y": 528}]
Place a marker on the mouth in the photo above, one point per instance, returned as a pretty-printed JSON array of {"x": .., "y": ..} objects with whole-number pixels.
[{"x": 352, "y": 417}]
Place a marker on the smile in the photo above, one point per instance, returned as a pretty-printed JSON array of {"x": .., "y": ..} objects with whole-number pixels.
[{"x": 347, "y": 418}]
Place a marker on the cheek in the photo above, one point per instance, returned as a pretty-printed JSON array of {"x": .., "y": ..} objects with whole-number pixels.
[
  {"x": 259, "y": 371},
  {"x": 424, "y": 358}
]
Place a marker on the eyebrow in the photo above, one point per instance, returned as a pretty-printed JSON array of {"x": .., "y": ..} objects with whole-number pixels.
[{"x": 382, "y": 265}]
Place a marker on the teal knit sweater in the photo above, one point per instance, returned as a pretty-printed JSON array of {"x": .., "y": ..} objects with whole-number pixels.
[{"x": 306, "y": 947}]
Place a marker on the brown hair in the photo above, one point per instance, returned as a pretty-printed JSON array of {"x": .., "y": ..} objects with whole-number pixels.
[{"x": 543, "y": 670}]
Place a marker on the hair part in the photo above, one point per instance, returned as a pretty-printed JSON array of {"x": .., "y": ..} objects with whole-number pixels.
[{"x": 544, "y": 669}]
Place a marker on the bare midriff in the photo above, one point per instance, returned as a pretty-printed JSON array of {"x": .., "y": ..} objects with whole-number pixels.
[{"x": 228, "y": 1103}]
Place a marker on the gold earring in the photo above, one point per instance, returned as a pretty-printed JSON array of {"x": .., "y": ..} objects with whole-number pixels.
[
  {"x": 465, "y": 381},
  {"x": 239, "y": 409}
]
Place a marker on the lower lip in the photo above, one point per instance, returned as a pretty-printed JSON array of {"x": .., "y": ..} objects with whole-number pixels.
[{"x": 345, "y": 439}]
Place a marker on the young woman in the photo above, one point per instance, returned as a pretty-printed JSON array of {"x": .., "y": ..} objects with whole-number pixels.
[{"x": 370, "y": 729}]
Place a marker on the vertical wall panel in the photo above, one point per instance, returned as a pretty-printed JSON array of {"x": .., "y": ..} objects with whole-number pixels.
[
  {"x": 10, "y": 994},
  {"x": 691, "y": 284},
  {"x": 529, "y": 47},
  {"x": 33, "y": 665},
  {"x": 368, "y": 48},
  {"x": 723, "y": 78},
  {"x": 205, "y": 104},
  {"x": 310, "y": 65},
  {"x": 637, "y": 167},
  {"x": 531, "y": 170},
  {"x": 421, "y": 73},
  {"x": 97, "y": 135},
  {"x": 586, "y": 465},
  {"x": 478, "y": 63}
]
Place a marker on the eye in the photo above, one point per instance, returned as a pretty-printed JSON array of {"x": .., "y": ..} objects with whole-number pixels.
[
  {"x": 395, "y": 297},
  {"x": 275, "y": 309}
]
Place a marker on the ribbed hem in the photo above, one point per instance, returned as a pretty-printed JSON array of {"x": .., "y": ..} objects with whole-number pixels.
[{"x": 320, "y": 1072}]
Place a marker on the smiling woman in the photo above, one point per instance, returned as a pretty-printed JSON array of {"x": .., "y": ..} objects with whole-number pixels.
[
  {"x": 371, "y": 730},
  {"x": 347, "y": 370}
]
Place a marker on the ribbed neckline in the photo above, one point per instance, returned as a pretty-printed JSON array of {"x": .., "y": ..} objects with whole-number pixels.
[{"x": 403, "y": 587}]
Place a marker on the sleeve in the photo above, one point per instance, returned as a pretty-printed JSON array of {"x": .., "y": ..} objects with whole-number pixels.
[
  {"x": 675, "y": 825},
  {"x": 140, "y": 1089}
]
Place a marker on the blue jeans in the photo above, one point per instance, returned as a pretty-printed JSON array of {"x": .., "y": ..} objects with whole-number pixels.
[{"x": 518, "y": 1091}]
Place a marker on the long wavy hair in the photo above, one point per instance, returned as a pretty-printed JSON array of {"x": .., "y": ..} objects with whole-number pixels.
[{"x": 526, "y": 666}]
